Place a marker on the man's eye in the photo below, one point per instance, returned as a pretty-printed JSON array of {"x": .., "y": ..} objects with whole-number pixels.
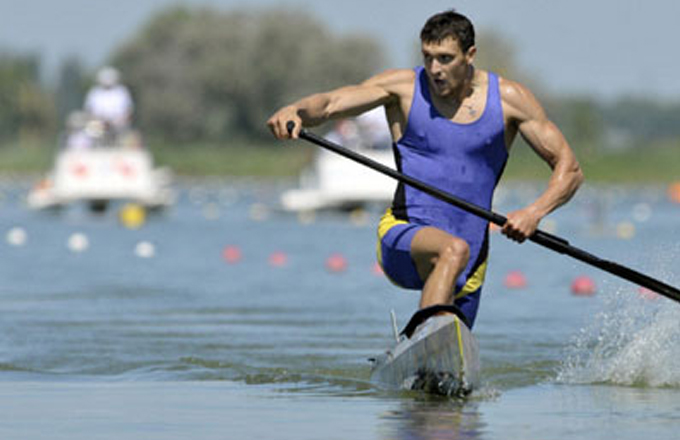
[{"x": 445, "y": 59}]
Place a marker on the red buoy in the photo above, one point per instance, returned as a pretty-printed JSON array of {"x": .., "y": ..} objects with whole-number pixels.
[
  {"x": 232, "y": 254},
  {"x": 336, "y": 263},
  {"x": 583, "y": 286},
  {"x": 278, "y": 259},
  {"x": 515, "y": 279}
]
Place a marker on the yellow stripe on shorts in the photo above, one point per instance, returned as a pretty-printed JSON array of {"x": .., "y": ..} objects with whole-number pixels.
[{"x": 387, "y": 222}]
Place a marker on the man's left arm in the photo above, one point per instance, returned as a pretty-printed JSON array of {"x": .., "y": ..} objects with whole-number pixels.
[{"x": 549, "y": 143}]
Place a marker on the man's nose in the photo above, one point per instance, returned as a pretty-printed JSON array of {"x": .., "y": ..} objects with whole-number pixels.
[{"x": 435, "y": 67}]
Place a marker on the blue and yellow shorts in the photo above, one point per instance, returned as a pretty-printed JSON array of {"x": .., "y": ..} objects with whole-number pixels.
[{"x": 394, "y": 256}]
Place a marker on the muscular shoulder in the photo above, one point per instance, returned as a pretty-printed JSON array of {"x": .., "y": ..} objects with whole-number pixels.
[{"x": 519, "y": 103}]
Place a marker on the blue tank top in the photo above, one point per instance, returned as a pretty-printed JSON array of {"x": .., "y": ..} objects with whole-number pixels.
[{"x": 466, "y": 160}]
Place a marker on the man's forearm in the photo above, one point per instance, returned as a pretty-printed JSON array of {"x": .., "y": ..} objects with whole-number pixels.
[
  {"x": 313, "y": 109},
  {"x": 564, "y": 182}
]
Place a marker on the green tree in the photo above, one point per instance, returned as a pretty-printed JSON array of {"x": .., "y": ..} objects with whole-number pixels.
[
  {"x": 581, "y": 120},
  {"x": 26, "y": 109},
  {"x": 211, "y": 75},
  {"x": 71, "y": 87}
]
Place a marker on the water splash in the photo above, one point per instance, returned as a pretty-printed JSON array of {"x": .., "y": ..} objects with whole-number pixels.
[{"x": 631, "y": 342}]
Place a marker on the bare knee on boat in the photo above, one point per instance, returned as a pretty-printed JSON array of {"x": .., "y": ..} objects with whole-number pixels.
[{"x": 454, "y": 252}]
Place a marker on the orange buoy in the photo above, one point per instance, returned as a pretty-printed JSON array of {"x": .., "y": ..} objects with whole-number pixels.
[
  {"x": 674, "y": 192},
  {"x": 336, "y": 263},
  {"x": 583, "y": 286},
  {"x": 515, "y": 279},
  {"x": 232, "y": 254},
  {"x": 278, "y": 259}
]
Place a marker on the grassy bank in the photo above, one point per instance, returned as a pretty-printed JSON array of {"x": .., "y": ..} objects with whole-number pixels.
[
  {"x": 272, "y": 161},
  {"x": 267, "y": 161},
  {"x": 656, "y": 164},
  {"x": 25, "y": 158}
]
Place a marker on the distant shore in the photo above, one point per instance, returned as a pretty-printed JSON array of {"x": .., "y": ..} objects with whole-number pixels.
[{"x": 657, "y": 164}]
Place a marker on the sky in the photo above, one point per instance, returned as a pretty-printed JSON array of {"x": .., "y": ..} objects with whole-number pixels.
[{"x": 604, "y": 48}]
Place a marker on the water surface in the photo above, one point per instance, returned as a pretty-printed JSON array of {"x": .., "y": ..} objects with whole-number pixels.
[{"x": 104, "y": 343}]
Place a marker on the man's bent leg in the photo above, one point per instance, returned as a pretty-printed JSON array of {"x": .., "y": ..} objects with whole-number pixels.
[{"x": 440, "y": 258}]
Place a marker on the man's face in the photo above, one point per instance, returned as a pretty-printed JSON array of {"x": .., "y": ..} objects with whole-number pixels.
[{"x": 446, "y": 64}]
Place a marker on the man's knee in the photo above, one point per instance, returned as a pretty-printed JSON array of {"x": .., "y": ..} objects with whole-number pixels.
[{"x": 454, "y": 250}]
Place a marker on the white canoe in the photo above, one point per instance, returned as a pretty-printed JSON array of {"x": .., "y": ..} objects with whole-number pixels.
[{"x": 436, "y": 354}]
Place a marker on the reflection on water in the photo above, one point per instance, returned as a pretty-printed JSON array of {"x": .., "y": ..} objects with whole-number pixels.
[{"x": 434, "y": 419}]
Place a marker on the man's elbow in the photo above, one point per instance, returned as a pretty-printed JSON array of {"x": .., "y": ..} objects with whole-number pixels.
[{"x": 577, "y": 175}]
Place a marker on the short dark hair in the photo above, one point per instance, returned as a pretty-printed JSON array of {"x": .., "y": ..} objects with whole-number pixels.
[{"x": 449, "y": 24}]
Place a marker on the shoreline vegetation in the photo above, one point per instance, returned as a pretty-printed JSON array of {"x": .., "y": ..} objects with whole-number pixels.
[{"x": 654, "y": 164}]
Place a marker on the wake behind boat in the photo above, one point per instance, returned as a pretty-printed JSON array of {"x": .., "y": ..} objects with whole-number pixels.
[{"x": 435, "y": 353}]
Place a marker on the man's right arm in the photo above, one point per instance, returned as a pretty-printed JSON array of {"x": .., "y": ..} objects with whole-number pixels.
[{"x": 340, "y": 103}]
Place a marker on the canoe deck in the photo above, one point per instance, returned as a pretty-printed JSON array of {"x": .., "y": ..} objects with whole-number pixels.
[{"x": 441, "y": 356}]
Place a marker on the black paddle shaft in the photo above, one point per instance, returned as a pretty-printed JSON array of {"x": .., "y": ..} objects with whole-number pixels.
[{"x": 549, "y": 241}]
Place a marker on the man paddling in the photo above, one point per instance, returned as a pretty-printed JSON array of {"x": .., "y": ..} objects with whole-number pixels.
[{"x": 452, "y": 127}]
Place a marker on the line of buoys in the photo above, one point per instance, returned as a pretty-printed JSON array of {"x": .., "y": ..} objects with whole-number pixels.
[
  {"x": 582, "y": 285},
  {"x": 334, "y": 263},
  {"x": 77, "y": 242}
]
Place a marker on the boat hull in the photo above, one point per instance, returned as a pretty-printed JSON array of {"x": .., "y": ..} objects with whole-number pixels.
[{"x": 441, "y": 357}]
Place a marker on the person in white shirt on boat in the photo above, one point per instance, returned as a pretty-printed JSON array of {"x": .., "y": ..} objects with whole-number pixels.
[{"x": 110, "y": 101}]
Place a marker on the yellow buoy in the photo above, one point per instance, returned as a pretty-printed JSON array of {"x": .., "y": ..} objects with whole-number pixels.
[
  {"x": 132, "y": 215},
  {"x": 625, "y": 230}
]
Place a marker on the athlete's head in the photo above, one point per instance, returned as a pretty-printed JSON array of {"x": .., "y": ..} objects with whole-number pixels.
[
  {"x": 448, "y": 46},
  {"x": 449, "y": 24}
]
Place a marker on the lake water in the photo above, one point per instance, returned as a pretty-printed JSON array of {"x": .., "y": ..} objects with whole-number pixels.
[{"x": 225, "y": 323}]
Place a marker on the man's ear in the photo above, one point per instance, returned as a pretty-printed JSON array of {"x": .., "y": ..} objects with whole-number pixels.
[{"x": 470, "y": 54}]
